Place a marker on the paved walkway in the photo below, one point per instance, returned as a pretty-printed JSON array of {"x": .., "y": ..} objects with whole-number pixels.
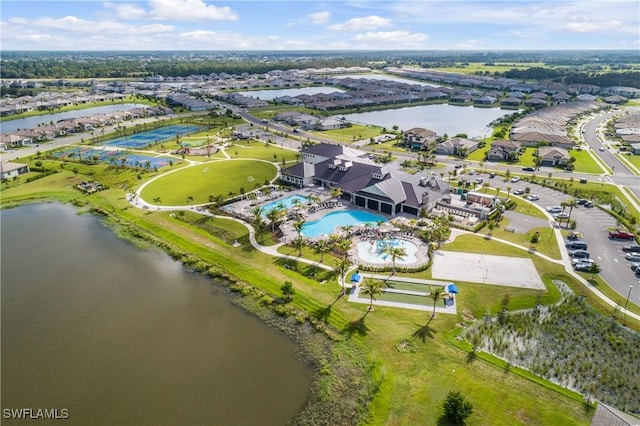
[{"x": 138, "y": 202}]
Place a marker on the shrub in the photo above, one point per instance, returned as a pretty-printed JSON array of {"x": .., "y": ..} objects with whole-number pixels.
[{"x": 456, "y": 407}]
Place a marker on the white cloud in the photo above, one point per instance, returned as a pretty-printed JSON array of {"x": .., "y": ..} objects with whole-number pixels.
[
  {"x": 75, "y": 26},
  {"x": 588, "y": 26},
  {"x": 319, "y": 17},
  {"x": 468, "y": 44},
  {"x": 388, "y": 39},
  {"x": 126, "y": 10},
  {"x": 362, "y": 24},
  {"x": 190, "y": 10}
]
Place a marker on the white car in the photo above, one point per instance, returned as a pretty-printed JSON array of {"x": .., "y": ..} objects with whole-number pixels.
[
  {"x": 515, "y": 179},
  {"x": 533, "y": 197},
  {"x": 554, "y": 209}
]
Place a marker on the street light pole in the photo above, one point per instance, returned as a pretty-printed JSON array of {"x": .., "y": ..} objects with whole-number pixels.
[{"x": 625, "y": 305}]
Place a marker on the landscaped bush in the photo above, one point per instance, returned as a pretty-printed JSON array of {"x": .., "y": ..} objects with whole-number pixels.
[{"x": 570, "y": 344}]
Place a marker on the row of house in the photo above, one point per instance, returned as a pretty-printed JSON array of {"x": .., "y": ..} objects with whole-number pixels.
[
  {"x": 62, "y": 128},
  {"x": 508, "y": 150},
  {"x": 50, "y": 101},
  {"x": 310, "y": 122},
  {"x": 627, "y": 128}
]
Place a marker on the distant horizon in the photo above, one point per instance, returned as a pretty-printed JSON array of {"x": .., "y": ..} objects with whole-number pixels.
[
  {"x": 629, "y": 50},
  {"x": 329, "y": 25}
]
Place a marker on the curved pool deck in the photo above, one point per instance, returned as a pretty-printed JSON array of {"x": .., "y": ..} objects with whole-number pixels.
[{"x": 368, "y": 251}]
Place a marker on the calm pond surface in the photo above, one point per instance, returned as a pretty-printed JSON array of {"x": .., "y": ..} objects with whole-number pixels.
[
  {"x": 120, "y": 336},
  {"x": 269, "y": 95},
  {"x": 32, "y": 122},
  {"x": 441, "y": 118}
]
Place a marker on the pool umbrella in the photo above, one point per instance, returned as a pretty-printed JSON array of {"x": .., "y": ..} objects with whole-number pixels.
[
  {"x": 355, "y": 278},
  {"x": 452, "y": 288}
]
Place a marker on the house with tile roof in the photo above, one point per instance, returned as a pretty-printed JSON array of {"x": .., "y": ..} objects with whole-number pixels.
[
  {"x": 553, "y": 156},
  {"x": 417, "y": 137},
  {"x": 503, "y": 149}
]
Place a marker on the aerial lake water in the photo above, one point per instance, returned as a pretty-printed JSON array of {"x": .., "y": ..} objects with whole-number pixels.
[
  {"x": 441, "y": 118},
  {"x": 269, "y": 95},
  {"x": 33, "y": 121},
  {"x": 121, "y": 336}
]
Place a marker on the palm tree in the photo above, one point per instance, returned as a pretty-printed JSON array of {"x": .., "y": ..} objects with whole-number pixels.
[
  {"x": 344, "y": 246},
  {"x": 571, "y": 204},
  {"x": 340, "y": 267},
  {"x": 508, "y": 191},
  {"x": 395, "y": 253},
  {"x": 273, "y": 216},
  {"x": 347, "y": 229},
  {"x": 321, "y": 248},
  {"x": 436, "y": 294},
  {"x": 298, "y": 227},
  {"x": 336, "y": 193},
  {"x": 372, "y": 288},
  {"x": 299, "y": 243}
]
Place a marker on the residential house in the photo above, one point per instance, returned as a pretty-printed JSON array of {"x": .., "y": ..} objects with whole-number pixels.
[
  {"x": 635, "y": 148},
  {"x": 418, "y": 137},
  {"x": 455, "y": 145},
  {"x": 12, "y": 140},
  {"x": 502, "y": 150},
  {"x": 553, "y": 156},
  {"x": 510, "y": 102},
  {"x": 10, "y": 170}
]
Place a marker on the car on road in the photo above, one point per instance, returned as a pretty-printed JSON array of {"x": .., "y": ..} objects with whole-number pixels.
[
  {"x": 528, "y": 169},
  {"x": 620, "y": 235},
  {"x": 579, "y": 254},
  {"x": 296, "y": 130},
  {"x": 518, "y": 192},
  {"x": 515, "y": 179},
  {"x": 554, "y": 209},
  {"x": 601, "y": 148},
  {"x": 533, "y": 197},
  {"x": 633, "y": 257},
  {"x": 633, "y": 248}
]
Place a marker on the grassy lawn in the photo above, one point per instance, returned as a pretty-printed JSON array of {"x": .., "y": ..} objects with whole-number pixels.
[
  {"x": 270, "y": 111},
  {"x": 200, "y": 181},
  {"x": 547, "y": 245},
  {"x": 633, "y": 159},
  {"x": 527, "y": 158},
  {"x": 478, "y": 154},
  {"x": 473, "y": 67},
  {"x": 412, "y": 385},
  {"x": 585, "y": 163},
  {"x": 350, "y": 134}
]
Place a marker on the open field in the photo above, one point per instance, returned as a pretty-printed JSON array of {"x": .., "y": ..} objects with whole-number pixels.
[
  {"x": 222, "y": 177},
  {"x": 474, "y": 67},
  {"x": 350, "y": 134},
  {"x": 585, "y": 163}
]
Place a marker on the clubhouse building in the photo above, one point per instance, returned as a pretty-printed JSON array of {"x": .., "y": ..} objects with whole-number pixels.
[{"x": 364, "y": 183}]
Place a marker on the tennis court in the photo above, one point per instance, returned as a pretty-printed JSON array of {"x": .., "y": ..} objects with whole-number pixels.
[{"x": 144, "y": 139}]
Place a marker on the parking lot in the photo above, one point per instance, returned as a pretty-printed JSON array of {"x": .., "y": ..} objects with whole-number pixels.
[{"x": 593, "y": 225}]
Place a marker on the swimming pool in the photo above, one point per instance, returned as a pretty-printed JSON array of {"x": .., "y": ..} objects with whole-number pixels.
[
  {"x": 287, "y": 203},
  {"x": 329, "y": 222},
  {"x": 373, "y": 251}
]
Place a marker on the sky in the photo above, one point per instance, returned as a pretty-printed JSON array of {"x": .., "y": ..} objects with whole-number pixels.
[{"x": 318, "y": 25}]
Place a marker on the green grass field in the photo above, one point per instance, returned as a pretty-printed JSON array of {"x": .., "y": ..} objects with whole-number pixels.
[
  {"x": 474, "y": 67},
  {"x": 350, "y": 134},
  {"x": 585, "y": 163},
  {"x": 200, "y": 181},
  {"x": 260, "y": 151}
]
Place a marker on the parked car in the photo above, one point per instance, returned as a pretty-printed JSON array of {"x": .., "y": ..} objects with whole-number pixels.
[
  {"x": 575, "y": 245},
  {"x": 515, "y": 179},
  {"x": 637, "y": 273},
  {"x": 528, "y": 169},
  {"x": 561, "y": 216},
  {"x": 588, "y": 204},
  {"x": 554, "y": 209},
  {"x": 621, "y": 235},
  {"x": 518, "y": 192},
  {"x": 635, "y": 266},
  {"x": 583, "y": 260},
  {"x": 472, "y": 172},
  {"x": 573, "y": 235},
  {"x": 581, "y": 201},
  {"x": 583, "y": 266},
  {"x": 458, "y": 166},
  {"x": 633, "y": 248},
  {"x": 492, "y": 175},
  {"x": 633, "y": 257},
  {"x": 579, "y": 254},
  {"x": 533, "y": 197},
  {"x": 478, "y": 181}
]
